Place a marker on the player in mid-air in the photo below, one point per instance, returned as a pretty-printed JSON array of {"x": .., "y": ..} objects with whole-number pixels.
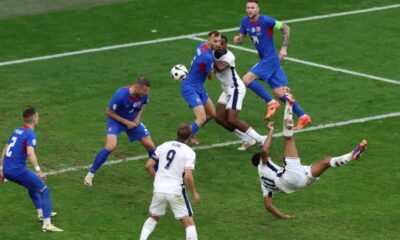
[
  {"x": 293, "y": 175},
  {"x": 231, "y": 98},
  {"x": 176, "y": 162},
  {"x": 124, "y": 114},
  {"x": 21, "y": 146},
  {"x": 192, "y": 88},
  {"x": 260, "y": 29}
]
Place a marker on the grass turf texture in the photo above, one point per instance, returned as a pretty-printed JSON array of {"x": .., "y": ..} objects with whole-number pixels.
[{"x": 72, "y": 93}]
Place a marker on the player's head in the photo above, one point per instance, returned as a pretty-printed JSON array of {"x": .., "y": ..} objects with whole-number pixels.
[
  {"x": 142, "y": 86},
  {"x": 252, "y": 8},
  {"x": 184, "y": 132},
  {"x": 213, "y": 39},
  {"x": 30, "y": 116},
  {"x": 224, "y": 43},
  {"x": 255, "y": 160}
]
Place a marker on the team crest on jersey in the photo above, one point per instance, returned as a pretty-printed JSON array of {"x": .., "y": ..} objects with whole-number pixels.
[
  {"x": 253, "y": 29},
  {"x": 198, "y": 100},
  {"x": 110, "y": 129},
  {"x": 258, "y": 28}
]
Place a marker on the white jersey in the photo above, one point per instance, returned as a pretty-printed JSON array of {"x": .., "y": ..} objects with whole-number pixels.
[
  {"x": 229, "y": 78},
  {"x": 174, "y": 158},
  {"x": 268, "y": 174}
]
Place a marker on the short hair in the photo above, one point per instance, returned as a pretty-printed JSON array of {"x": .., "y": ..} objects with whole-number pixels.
[
  {"x": 143, "y": 81},
  {"x": 184, "y": 131},
  {"x": 225, "y": 38},
  {"x": 213, "y": 33},
  {"x": 28, "y": 114},
  {"x": 252, "y": 1},
  {"x": 255, "y": 160}
]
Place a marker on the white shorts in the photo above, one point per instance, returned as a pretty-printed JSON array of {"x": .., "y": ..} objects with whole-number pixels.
[
  {"x": 179, "y": 203},
  {"x": 233, "y": 99},
  {"x": 295, "y": 176}
]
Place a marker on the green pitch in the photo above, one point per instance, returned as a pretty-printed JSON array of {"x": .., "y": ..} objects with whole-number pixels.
[{"x": 71, "y": 93}]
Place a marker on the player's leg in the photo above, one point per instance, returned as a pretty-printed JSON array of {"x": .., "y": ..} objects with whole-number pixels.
[
  {"x": 190, "y": 227},
  {"x": 157, "y": 210},
  {"x": 289, "y": 149},
  {"x": 182, "y": 210},
  {"x": 221, "y": 117},
  {"x": 243, "y": 126},
  {"x": 257, "y": 87},
  {"x": 101, "y": 157},
  {"x": 201, "y": 118},
  {"x": 319, "y": 167}
]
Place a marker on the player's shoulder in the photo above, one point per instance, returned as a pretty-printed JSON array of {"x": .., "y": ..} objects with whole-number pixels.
[
  {"x": 266, "y": 19},
  {"x": 245, "y": 20}
]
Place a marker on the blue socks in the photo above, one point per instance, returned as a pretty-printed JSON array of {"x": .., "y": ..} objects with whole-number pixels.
[
  {"x": 36, "y": 199},
  {"x": 259, "y": 89},
  {"x": 100, "y": 159},
  {"x": 46, "y": 202},
  {"x": 195, "y": 128},
  {"x": 296, "y": 108}
]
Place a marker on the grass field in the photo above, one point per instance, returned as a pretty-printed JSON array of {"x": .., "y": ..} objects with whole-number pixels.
[{"x": 71, "y": 93}]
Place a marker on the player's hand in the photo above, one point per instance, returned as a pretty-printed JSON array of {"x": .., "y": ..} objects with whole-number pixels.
[
  {"x": 42, "y": 175},
  {"x": 287, "y": 217},
  {"x": 237, "y": 39},
  {"x": 271, "y": 126},
  {"x": 131, "y": 124},
  {"x": 283, "y": 53},
  {"x": 196, "y": 197}
]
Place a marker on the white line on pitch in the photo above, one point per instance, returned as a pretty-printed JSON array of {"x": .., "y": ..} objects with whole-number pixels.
[
  {"x": 126, "y": 45},
  {"x": 224, "y": 144},
  {"x": 317, "y": 65}
]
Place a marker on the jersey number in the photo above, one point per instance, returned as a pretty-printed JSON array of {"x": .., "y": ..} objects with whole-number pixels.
[
  {"x": 170, "y": 157},
  {"x": 12, "y": 144}
]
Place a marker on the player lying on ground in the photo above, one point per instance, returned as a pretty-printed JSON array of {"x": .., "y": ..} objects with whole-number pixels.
[
  {"x": 20, "y": 146},
  {"x": 124, "y": 113},
  {"x": 293, "y": 175},
  {"x": 176, "y": 162},
  {"x": 260, "y": 29},
  {"x": 231, "y": 99}
]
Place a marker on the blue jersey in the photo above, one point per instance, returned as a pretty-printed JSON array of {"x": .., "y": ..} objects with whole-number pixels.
[
  {"x": 202, "y": 65},
  {"x": 125, "y": 105},
  {"x": 16, "y": 153},
  {"x": 261, "y": 34}
]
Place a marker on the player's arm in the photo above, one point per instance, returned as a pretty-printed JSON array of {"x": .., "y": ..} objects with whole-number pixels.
[
  {"x": 285, "y": 29},
  {"x": 120, "y": 119},
  {"x": 33, "y": 160},
  {"x": 150, "y": 167},
  {"x": 190, "y": 184},
  {"x": 1, "y": 164},
  {"x": 239, "y": 39},
  {"x": 274, "y": 210},
  {"x": 138, "y": 117},
  {"x": 221, "y": 66},
  {"x": 267, "y": 143}
]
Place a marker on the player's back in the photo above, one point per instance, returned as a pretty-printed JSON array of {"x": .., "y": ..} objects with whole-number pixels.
[
  {"x": 202, "y": 65},
  {"x": 174, "y": 158},
  {"x": 16, "y": 152},
  {"x": 268, "y": 173}
]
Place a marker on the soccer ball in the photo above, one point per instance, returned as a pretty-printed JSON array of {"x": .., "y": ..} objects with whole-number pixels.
[{"x": 179, "y": 72}]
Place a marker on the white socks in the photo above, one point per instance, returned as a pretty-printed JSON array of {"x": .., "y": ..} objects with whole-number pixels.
[
  {"x": 340, "y": 161},
  {"x": 241, "y": 135},
  {"x": 288, "y": 121},
  {"x": 191, "y": 233},
  {"x": 40, "y": 212},
  {"x": 254, "y": 135},
  {"x": 148, "y": 228}
]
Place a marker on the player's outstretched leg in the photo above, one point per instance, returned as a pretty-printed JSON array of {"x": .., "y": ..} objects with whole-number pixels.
[
  {"x": 148, "y": 227},
  {"x": 101, "y": 157},
  {"x": 304, "y": 119}
]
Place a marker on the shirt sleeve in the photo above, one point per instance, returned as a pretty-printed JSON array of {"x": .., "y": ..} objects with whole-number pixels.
[
  {"x": 230, "y": 59},
  {"x": 210, "y": 64},
  {"x": 116, "y": 101},
  {"x": 243, "y": 27},
  {"x": 31, "y": 140},
  {"x": 269, "y": 22},
  {"x": 190, "y": 160}
]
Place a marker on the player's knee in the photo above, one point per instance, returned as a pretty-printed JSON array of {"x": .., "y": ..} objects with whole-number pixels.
[
  {"x": 201, "y": 119},
  {"x": 110, "y": 146},
  {"x": 211, "y": 115}
]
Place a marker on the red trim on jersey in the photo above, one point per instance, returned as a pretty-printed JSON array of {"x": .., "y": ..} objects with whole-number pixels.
[
  {"x": 24, "y": 148},
  {"x": 270, "y": 32},
  {"x": 202, "y": 67},
  {"x": 26, "y": 127},
  {"x": 254, "y": 22},
  {"x": 205, "y": 47}
]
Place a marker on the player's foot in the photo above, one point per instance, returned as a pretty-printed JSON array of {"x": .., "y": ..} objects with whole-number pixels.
[
  {"x": 303, "y": 122},
  {"x": 359, "y": 150},
  {"x": 40, "y": 217},
  {"x": 194, "y": 140},
  {"x": 271, "y": 108},
  {"x": 51, "y": 228},
  {"x": 246, "y": 145},
  {"x": 88, "y": 180},
  {"x": 289, "y": 96}
]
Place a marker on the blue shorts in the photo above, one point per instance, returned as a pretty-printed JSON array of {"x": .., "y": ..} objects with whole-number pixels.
[
  {"x": 134, "y": 134},
  {"x": 27, "y": 179},
  {"x": 270, "y": 72},
  {"x": 194, "y": 97}
]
